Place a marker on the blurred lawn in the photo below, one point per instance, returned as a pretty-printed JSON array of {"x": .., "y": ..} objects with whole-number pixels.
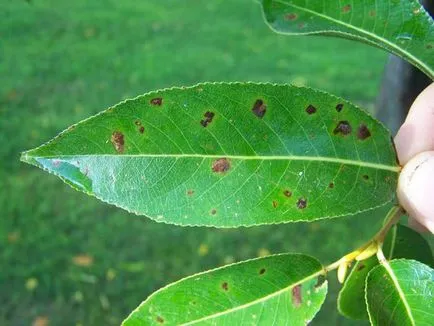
[{"x": 75, "y": 261}]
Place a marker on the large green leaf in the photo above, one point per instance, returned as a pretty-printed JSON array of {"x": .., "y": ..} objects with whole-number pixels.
[
  {"x": 401, "y": 293},
  {"x": 227, "y": 155},
  {"x": 401, "y": 242},
  {"x": 402, "y": 27},
  {"x": 282, "y": 289}
]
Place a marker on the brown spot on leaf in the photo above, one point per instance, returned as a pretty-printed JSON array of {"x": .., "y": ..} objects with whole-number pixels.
[
  {"x": 118, "y": 142},
  {"x": 287, "y": 193},
  {"x": 157, "y": 101},
  {"x": 363, "y": 132},
  {"x": 429, "y": 46},
  {"x": 360, "y": 267},
  {"x": 213, "y": 211},
  {"x": 225, "y": 286},
  {"x": 320, "y": 281},
  {"x": 259, "y": 108},
  {"x": 262, "y": 271},
  {"x": 160, "y": 320},
  {"x": 343, "y": 128},
  {"x": 291, "y": 16},
  {"x": 190, "y": 192},
  {"x": 142, "y": 129},
  {"x": 346, "y": 8},
  {"x": 221, "y": 165},
  {"x": 275, "y": 204},
  {"x": 331, "y": 185},
  {"x": 138, "y": 123},
  {"x": 339, "y": 107},
  {"x": 372, "y": 13},
  {"x": 302, "y": 203},
  {"x": 310, "y": 109},
  {"x": 296, "y": 296},
  {"x": 365, "y": 177},
  {"x": 208, "y": 116}
]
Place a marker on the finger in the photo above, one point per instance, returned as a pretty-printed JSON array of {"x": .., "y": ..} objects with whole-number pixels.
[
  {"x": 416, "y": 189},
  {"x": 415, "y": 225},
  {"x": 416, "y": 135}
]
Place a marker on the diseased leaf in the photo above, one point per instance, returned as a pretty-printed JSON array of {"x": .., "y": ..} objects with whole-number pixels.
[
  {"x": 401, "y": 242},
  {"x": 402, "y": 27},
  {"x": 227, "y": 155},
  {"x": 280, "y": 289},
  {"x": 401, "y": 293}
]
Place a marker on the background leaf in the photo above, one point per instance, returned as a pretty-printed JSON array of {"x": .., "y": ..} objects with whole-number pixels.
[
  {"x": 401, "y": 242},
  {"x": 275, "y": 289},
  {"x": 401, "y": 294},
  {"x": 228, "y": 155},
  {"x": 402, "y": 27}
]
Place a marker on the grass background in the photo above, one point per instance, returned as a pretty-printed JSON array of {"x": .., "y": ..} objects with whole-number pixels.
[{"x": 68, "y": 259}]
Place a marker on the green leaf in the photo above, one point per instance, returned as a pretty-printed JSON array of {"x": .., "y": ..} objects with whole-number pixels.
[
  {"x": 402, "y": 242},
  {"x": 401, "y": 293},
  {"x": 402, "y": 27},
  {"x": 227, "y": 155},
  {"x": 280, "y": 289}
]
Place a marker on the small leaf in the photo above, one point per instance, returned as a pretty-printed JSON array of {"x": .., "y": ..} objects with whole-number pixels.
[
  {"x": 271, "y": 290},
  {"x": 401, "y": 242},
  {"x": 402, "y": 27},
  {"x": 400, "y": 293},
  {"x": 228, "y": 155},
  {"x": 351, "y": 300}
]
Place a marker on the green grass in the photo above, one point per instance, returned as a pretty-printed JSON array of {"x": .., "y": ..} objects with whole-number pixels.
[{"x": 61, "y": 61}]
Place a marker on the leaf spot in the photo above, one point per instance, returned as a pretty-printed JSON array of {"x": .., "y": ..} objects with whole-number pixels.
[
  {"x": 142, "y": 129},
  {"x": 118, "y": 141},
  {"x": 225, "y": 286},
  {"x": 208, "y": 116},
  {"x": 310, "y": 109},
  {"x": 339, "y": 107},
  {"x": 302, "y": 203},
  {"x": 365, "y": 177},
  {"x": 157, "y": 101},
  {"x": 291, "y": 16},
  {"x": 331, "y": 185},
  {"x": 262, "y": 271},
  {"x": 296, "y": 296},
  {"x": 160, "y": 320},
  {"x": 221, "y": 165},
  {"x": 360, "y": 267},
  {"x": 429, "y": 46},
  {"x": 138, "y": 123},
  {"x": 343, "y": 128},
  {"x": 259, "y": 108},
  {"x": 213, "y": 211},
  {"x": 190, "y": 192},
  {"x": 287, "y": 193},
  {"x": 372, "y": 13},
  {"x": 346, "y": 9},
  {"x": 275, "y": 204},
  {"x": 363, "y": 132}
]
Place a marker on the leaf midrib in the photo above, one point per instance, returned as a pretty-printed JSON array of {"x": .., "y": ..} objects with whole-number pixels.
[
  {"x": 410, "y": 56},
  {"x": 378, "y": 166},
  {"x": 401, "y": 294},
  {"x": 265, "y": 298}
]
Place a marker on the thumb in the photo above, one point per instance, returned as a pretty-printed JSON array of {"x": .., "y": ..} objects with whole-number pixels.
[{"x": 416, "y": 189}]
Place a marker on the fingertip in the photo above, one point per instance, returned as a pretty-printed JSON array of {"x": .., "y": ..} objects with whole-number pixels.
[
  {"x": 416, "y": 189},
  {"x": 416, "y": 135}
]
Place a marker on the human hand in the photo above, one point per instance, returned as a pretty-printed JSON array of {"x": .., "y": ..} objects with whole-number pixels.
[{"x": 415, "y": 146}]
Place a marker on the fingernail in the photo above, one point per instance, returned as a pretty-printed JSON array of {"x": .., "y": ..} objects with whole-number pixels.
[{"x": 416, "y": 189}]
